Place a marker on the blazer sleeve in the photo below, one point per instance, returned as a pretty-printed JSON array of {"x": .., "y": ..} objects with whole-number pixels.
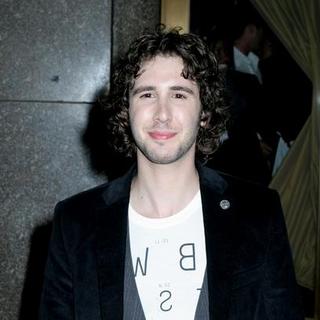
[
  {"x": 57, "y": 295},
  {"x": 280, "y": 292}
]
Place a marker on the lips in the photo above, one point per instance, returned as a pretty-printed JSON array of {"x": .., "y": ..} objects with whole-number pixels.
[{"x": 162, "y": 135}]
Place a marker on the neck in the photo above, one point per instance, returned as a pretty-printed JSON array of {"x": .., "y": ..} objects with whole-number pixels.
[
  {"x": 243, "y": 47},
  {"x": 161, "y": 190}
]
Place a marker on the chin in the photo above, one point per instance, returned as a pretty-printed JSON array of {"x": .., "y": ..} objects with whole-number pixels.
[{"x": 168, "y": 158}]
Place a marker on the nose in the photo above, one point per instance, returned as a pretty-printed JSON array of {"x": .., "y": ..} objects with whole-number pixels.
[{"x": 162, "y": 110}]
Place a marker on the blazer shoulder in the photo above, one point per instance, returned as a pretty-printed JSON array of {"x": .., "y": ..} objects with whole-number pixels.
[
  {"x": 77, "y": 215},
  {"x": 235, "y": 187},
  {"x": 83, "y": 200},
  {"x": 248, "y": 188},
  {"x": 86, "y": 203}
]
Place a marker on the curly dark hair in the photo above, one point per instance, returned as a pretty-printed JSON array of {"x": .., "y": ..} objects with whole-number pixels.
[{"x": 200, "y": 65}]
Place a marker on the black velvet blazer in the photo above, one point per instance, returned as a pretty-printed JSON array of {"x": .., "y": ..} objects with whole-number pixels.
[{"x": 249, "y": 264}]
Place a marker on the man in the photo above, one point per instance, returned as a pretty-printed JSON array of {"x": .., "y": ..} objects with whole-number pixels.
[
  {"x": 249, "y": 133},
  {"x": 171, "y": 239},
  {"x": 248, "y": 33}
]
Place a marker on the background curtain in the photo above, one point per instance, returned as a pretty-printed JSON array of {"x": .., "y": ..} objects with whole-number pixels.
[{"x": 297, "y": 24}]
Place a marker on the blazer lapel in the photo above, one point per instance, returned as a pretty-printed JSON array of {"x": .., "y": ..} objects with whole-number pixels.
[
  {"x": 112, "y": 225},
  {"x": 218, "y": 209}
]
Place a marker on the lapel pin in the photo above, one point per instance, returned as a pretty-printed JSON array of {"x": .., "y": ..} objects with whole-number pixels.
[{"x": 224, "y": 204}]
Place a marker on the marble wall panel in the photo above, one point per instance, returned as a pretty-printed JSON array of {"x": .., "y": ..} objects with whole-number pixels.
[
  {"x": 130, "y": 19},
  {"x": 42, "y": 161},
  {"x": 54, "y": 50}
]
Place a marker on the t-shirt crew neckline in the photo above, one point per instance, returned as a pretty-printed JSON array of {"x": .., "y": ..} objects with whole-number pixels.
[{"x": 165, "y": 222}]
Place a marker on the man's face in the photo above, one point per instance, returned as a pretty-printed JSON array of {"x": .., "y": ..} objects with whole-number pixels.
[
  {"x": 164, "y": 111},
  {"x": 256, "y": 34}
]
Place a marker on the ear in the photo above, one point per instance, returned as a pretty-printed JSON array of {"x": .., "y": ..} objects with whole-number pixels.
[{"x": 205, "y": 118}]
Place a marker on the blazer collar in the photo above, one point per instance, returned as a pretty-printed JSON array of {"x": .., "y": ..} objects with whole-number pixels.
[
  {"x": 112, "y": 229},
  {"x": 112, "y": 225},
  {"x": 211, "y": 179},
  {"x": 119, "y": 189}
]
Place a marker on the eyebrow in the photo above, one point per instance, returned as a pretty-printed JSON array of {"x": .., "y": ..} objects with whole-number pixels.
[
  {"x": 182, "y": 88},
  {"x": 142, "y": 89},
  {"x": 151, "y": 88}
]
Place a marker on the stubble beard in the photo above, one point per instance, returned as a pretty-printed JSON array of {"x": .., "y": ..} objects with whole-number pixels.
[{"x": 150, "y": 152}]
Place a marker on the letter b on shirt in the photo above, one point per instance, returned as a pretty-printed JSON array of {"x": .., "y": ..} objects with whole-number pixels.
[{"x": 188, "y": 260}]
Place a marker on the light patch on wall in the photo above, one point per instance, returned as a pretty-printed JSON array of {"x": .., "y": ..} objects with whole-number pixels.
[{"x": 176, "y": 13}]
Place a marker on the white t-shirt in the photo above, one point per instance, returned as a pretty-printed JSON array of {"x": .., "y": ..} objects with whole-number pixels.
[
  {"x": 246, "y": 63},
  {"x": 169, "y": 261}
]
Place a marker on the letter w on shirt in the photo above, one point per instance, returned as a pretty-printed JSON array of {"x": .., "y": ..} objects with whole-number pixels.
[{"x": 139, "y": 264}]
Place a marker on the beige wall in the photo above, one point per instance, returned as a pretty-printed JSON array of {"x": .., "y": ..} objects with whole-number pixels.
[{"x": 176, "y": 13}]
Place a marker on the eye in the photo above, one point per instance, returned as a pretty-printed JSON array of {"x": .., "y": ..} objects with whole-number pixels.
[
  {"x": 179, "y": 96},
  {"x": 146, "y": 95}
]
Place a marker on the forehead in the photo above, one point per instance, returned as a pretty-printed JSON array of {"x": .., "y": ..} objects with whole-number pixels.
[
  {"x": 162, "y": 68},
  {"x": 162, "y": 59}
]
